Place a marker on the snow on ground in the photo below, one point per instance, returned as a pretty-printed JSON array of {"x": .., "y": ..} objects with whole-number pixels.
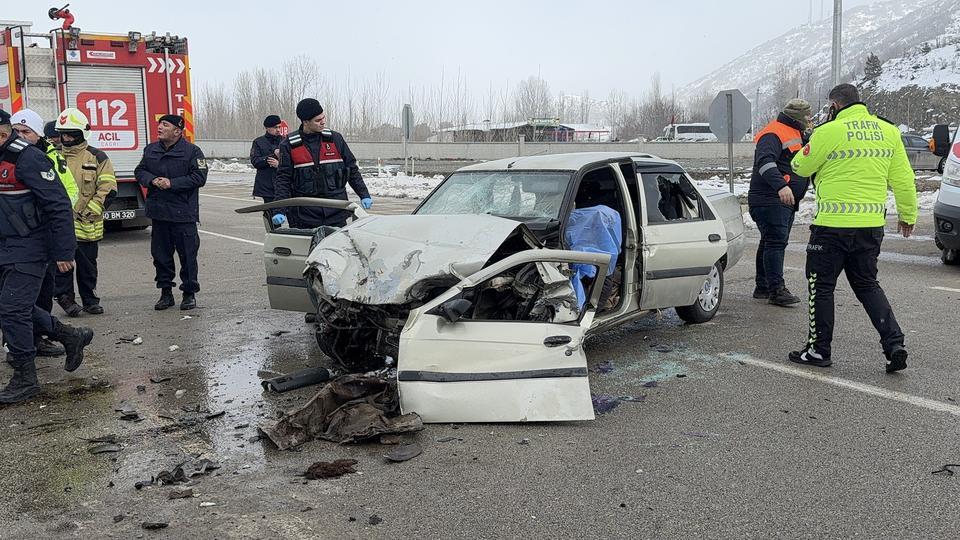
[
  {"x": 808, "y": 206},
  {"x": 401, "y": 186},
  {"x": 231, "y": 166}
]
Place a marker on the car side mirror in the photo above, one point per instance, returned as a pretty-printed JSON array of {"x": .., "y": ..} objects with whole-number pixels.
[
  {"x": 941, "y": 140},
  {"x": 452, "y": 310}
]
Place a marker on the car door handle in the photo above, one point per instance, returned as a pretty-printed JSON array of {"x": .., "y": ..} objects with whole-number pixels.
[
  {"x": 282, "y": 251},
  {"x": 556, "y": 341},
  {"x": 714, "y": 238}
]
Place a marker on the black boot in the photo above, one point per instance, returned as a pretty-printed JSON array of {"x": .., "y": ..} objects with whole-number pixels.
[
  {"x": 45, "y": 347},
  {"x": 93, "y": 309},
  {"x": 189, "y": 301},
  {"x": 73, "y": 340},
  {"x": 759, "y": 293},
  {"x": 166, "y": 300},
  {"x": 896, "y": 359},
  {"x": 23, "y": 385},
  {"x": 69, "y": 306},
  {"x": 783, "y": 298}
]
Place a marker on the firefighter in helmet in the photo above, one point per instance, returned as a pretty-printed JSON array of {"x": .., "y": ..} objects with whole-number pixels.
[{"x": 93, "y": 171}]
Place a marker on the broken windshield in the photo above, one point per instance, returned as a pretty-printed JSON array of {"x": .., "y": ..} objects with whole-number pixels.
[{"x": 513, "y": 194}]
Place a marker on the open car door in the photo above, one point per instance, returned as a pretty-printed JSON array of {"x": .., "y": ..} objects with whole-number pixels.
[
  {"x": 457, "y": 365},
  {"x": 285, "y": 252}
]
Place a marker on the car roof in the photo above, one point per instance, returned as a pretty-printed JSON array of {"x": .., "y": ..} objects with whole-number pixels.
[{"x": 562, "y": 162}]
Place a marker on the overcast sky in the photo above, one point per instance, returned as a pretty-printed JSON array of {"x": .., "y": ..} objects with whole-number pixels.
[{"x": 594, "y": 45}]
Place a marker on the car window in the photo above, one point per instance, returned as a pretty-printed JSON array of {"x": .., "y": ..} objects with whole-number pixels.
[
  {"x": 914, "y": 142},
  {"x": 693, "y": 129},
  {"x": 670, "y": 197},
  {"x": 514, "y": 194}
]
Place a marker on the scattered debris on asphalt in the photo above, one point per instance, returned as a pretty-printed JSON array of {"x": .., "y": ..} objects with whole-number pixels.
[
  {"x": 105, "y": 448},
  {"x": 137, "y": 341},
  {"x": 185, "y": 471},
  {"x": 351, "y": 408},
  {"x": 279, "y": 333},
  {"x": 391, "y": 439},
  {"x": 633, "y": 399},
  {"x": 185, "y": 318},
  {"x": 322, "y": 470},
  {"x": 216, "y": 414},
  {"x": 293, "y": 381},
  {"x": 154, "y": 525},
  {"x": 650, "y": 384},
  {"x": 604, "y": 367},
  {"x": 524, "y": 441},
  {"x": 118, "y": 518},
  {"x": 180, "y": 493},
  {"x": 947, "y": 470},
  {"x": 448, "y": 439},
  {"x": 141, "y": 388},
  {"x": 375, "y": 520},
  {"x": 127, "y": 339},
  {"x": 179, "y": 393},
  {"x": 128, "y": 413},
  {"x": 403, "y": 453},
  {"x": 173, "y": 348},
  {"x": 158, "y": 380},
  {"x": 603, "y": 404},
  {"x": 207, "y": 504}
]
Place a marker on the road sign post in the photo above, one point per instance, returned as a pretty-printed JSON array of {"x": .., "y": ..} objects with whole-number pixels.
[
  {"x": 730, "y": 120},
  {"x": 406, "y": 127}
]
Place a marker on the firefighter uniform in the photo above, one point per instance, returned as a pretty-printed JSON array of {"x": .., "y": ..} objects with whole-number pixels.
[
  {"x": 35, "y": 227},
  {"x": 175, "y": 211},
  {"x": 855, "y": 157},
  {"x": 96, "y": 181}
]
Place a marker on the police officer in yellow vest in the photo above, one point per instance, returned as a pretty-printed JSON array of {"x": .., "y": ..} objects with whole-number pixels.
[
  {"x": 30, "y": 127},
  {"x": 855, "y": 157},
  {"x": 96, "y": 182}
]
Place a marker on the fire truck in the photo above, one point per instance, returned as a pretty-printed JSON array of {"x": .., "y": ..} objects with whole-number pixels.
[{"x": 122, "y": 82}]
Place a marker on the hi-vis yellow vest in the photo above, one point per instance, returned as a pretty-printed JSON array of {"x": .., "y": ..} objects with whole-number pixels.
[
  {"x": 856, "y": 157},
  {"x": 95, "y": 178}
]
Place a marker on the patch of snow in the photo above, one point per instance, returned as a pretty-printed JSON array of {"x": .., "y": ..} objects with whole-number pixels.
[
  {"x": 231, "y": 166},
  {"x": 401, "y": 186}
]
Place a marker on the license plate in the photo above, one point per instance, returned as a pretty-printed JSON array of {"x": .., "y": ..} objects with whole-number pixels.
[{"x": 119, "y": 214}]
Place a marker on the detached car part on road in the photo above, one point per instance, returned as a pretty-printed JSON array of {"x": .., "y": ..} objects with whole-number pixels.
[{"x": 484, "y": 295}]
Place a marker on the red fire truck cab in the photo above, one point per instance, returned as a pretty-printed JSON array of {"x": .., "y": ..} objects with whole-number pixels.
[{"x": 123, "y": 83}]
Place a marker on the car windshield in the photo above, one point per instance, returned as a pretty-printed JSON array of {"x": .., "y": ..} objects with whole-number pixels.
[{"x": 513, "y": 194}]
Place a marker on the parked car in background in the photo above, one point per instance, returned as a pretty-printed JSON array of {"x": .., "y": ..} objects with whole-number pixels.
[
  {"x": 921, "y": 155},
  {"x": 946, "y": 211},
  {"x": 699, "y": 132},
  {"x": 484, "y": 295}
]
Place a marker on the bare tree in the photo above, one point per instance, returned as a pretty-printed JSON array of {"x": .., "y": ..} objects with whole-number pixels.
[{"x": 532, "y": 99}]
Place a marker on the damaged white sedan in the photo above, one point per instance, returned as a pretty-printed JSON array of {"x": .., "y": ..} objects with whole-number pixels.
[{"x": 484, "y": 295}]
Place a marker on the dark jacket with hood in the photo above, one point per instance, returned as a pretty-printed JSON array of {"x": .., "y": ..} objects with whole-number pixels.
[
  {"x": 777, "y": 143},
  {"x": 263, "y": 148}
]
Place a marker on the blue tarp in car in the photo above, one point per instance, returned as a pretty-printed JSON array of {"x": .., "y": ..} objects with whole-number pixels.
[{"x": 596, "y": 229}]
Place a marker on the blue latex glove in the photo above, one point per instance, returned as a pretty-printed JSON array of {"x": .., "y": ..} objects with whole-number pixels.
[
  {"x": 366, "y": 203},
  {"x": 279, "y": 219}
]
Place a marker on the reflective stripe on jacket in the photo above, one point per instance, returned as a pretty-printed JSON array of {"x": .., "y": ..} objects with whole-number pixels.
[
  {"x": 63, "y": 172},
  {"x": 856, "y": 157},
  {"x": 95, "y": 178},
  {"x": 776, "y": 144}
]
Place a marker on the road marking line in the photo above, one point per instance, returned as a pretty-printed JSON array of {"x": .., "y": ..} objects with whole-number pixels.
[
  {"x": 218, "y": 235},
  {"x": 864, "y": 388},
  {"x": 947, "y": 289}
]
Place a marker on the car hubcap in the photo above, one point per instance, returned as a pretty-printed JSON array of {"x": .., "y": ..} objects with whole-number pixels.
[{"x": 710, "y": 293}]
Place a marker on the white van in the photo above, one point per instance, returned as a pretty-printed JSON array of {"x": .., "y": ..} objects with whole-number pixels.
[
  {"x": 688, "y": 132},
  {"x": 946, "y": 212}
]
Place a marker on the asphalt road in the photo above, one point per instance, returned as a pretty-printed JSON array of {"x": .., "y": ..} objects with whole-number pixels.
[{"x": 733, "y": 441}]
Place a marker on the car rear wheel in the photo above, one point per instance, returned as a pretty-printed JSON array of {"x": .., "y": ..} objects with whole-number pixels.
[
  {"x": 708, "y": 301},
  {"x": 943, "y": 163}
]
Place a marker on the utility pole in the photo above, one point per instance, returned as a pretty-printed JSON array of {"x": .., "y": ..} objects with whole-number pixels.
[{"x": 837, "y": 31}]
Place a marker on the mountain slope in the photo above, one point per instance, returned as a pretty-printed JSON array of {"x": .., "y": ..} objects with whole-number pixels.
[{"x": 802, "y": 56}]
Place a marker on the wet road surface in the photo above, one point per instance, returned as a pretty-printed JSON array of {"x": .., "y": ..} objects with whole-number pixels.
[{"x": 732, "y": 441}]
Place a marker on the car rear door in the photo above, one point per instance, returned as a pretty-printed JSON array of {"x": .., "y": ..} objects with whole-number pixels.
[
  {"x": 682, "y": 237},
  {"x": 285, "y": 253},
  {"x": 498, "y": 370}
]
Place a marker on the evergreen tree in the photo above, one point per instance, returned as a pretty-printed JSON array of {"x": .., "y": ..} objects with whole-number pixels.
[{"x": 873, "y": 67}]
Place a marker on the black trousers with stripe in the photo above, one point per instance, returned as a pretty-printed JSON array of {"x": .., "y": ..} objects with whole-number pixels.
[{"x": 852, "y": 251}]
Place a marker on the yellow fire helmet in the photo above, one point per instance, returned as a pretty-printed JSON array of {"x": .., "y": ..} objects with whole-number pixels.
[{"x": 73, "y": 120}]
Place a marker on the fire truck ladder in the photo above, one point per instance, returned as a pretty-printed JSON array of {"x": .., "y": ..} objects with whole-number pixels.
[{"x": 40, "y": 75}]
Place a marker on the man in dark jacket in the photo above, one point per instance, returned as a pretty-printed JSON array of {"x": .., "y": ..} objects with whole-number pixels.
[
  {"x": 265, "y": 157},
  {"x": 36, "y": 226},
  {"x": 316, "y": 162},
  {"x": 173, "y": 170},
  {"x": 774, "y": 198}
]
